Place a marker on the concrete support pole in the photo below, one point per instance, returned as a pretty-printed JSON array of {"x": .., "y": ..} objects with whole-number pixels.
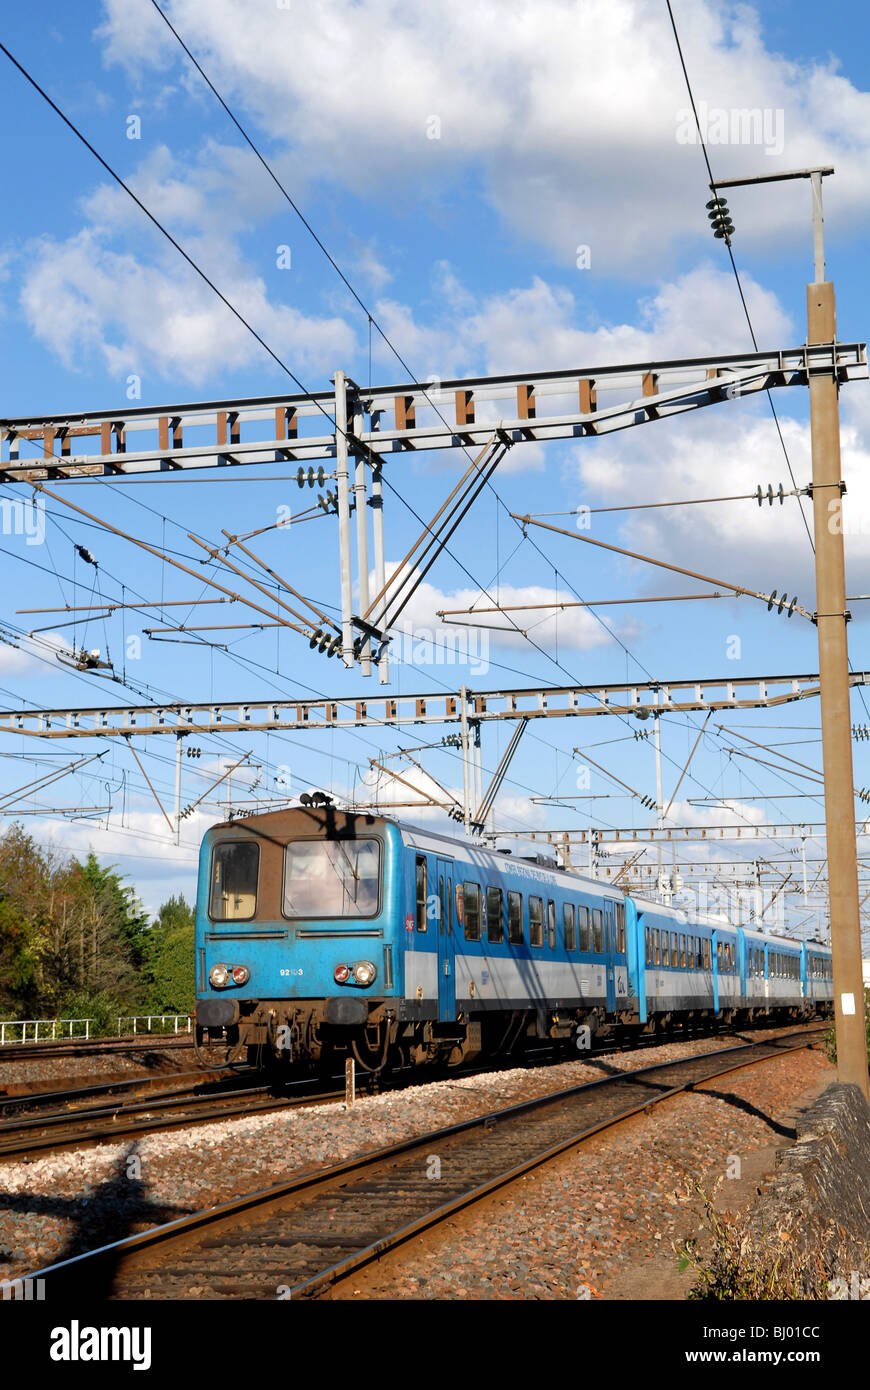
[
  {"x": 377, "y": 506},
  {"x": 343, "y": 492},
  {"x": 463, "y": 698},
  {"x": 178, "y": 743},
  {"x": 362, "y": 538},
  {"x": 657, "y": 743},
  {"x": 835, "y": 702}
]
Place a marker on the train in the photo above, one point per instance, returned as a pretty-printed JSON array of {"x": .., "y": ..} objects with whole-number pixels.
[{"x": 325, "y": 933}]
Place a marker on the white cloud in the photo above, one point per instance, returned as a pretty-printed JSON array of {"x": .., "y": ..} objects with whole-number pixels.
[
  {"x": 569, "y": 109},
  {"x": 423, "y": 639},
  {"x": 106, "y": 292},
  {"x": 691, "y": 315},
  {"x": 80, "y": 297},
  {"x": 727, "y": 451}
]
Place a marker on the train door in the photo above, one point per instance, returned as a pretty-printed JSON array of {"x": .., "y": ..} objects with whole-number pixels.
[
  {"x": 715, "y": 949},
  {"x": 610, "y": 946},
  {"x": 446, "y": 976}
]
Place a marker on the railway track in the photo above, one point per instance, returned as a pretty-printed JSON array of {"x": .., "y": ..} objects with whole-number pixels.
[
  {"x": 207, "y": 1095},
  {"x": 157, "y": 1042},
  {"x": 301, "y": 1238},
  {"x": 189, "y": 1105}
]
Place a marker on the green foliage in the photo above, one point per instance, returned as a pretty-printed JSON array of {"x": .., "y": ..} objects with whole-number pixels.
[
  {"x": 170, "y": 954},
  {"x": 119, "y": 901},
  {"x": 734, "y": 1261},
  {"x": 72, "y": 935},
  {"x": 102, "y": 1008}
]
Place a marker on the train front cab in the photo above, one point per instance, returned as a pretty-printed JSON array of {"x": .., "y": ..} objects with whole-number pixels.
[{"x": 296, "y": 933}]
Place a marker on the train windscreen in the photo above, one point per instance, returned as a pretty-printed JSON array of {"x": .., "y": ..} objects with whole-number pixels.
[
  {"x": 332, "y": 878},
  {"x": 234, "y": 869}
]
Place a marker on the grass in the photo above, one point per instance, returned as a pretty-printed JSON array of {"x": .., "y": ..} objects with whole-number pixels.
[{"x": 745, "y": 1263}]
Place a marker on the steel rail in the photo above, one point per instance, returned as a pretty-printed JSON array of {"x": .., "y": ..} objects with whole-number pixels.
[{"x": 103, "y": 1264}]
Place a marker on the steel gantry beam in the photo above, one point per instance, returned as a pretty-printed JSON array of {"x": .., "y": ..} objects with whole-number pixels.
[
  {"x": 390, "y": 420},
  {"x": 528, "y": 702},
  {"x": 705, "y": 834}
]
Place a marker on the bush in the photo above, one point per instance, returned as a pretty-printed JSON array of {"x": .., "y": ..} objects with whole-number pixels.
[
  {"x": 100, "y": 1007},
  {"x": 747, "y": 1263}
]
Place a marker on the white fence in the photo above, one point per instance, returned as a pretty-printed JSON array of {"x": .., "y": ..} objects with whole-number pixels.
[
  {"x": 43, "y": 1028},
  {"x": 180, "y": 1022}
]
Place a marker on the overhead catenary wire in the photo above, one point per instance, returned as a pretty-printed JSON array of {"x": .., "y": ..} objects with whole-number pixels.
[{"x": 537, "y": 548}]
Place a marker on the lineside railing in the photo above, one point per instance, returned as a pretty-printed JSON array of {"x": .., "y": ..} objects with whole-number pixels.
[
  {"x": 180, "y": 1023},
  {"x": 43, "y": 1028}
]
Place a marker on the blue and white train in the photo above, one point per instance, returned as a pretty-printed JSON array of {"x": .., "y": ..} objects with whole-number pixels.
[{"x": 323, "y": 933}]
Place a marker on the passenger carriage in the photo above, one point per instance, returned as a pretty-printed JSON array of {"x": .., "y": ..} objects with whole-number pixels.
[{"x": 323, "y": 932}]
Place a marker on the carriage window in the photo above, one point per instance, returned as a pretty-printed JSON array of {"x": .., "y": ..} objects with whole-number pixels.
[
  {"x": 471, "y": 898},
  {"x": 421, "y": 892},
  {"x": 707, "y": 953},
  {"x": 494, "y": 915},
  {"x": 515, "y": 918},
  {"x": 332, "y": 878},
  {"x": 648, "y": 945},
  {"x": 675, "y": 958},
  {"x": 583, "y": 924},
  {"x": 620, "y": 926},
  {"x": 719, "y": 955},
  {"x": 597, "y": 930},
  {"x": 568, "y": 925},
  {"x": 551, "y": 924},
  {"x": 657, "y": 948},
  {"x": 536, "y": 921},
  {"x": 683, "y": 961},
  {"x": 234, "y": 867}
]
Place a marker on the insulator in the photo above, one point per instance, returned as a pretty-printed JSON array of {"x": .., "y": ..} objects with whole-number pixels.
[
  {"x": 720, "y": 218},
  {"x": 324, "y": 641},
  {"x": 315, "y": 637},
  {"x": 334, "y": 646},
  {"x": 300, "y": 476},
  {"x": 771, "y": 601},
  {"x": 792, "y": 606}
]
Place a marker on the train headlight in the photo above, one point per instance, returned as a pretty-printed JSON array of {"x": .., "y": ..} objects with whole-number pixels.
[
  {"x": 219, "y": 976},
  {"x": 341, "y": 974},
  {"x": 364, "y": 972},
  {"x": 241, "y": 974}
]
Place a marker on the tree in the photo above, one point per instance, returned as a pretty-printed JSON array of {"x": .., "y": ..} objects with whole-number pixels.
[
  {"x": 72, "y": 934},
  {"x": 171, "y": 957}
]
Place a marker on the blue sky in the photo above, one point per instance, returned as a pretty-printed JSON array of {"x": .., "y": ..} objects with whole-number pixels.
[{"x": 558, "y": 128}]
